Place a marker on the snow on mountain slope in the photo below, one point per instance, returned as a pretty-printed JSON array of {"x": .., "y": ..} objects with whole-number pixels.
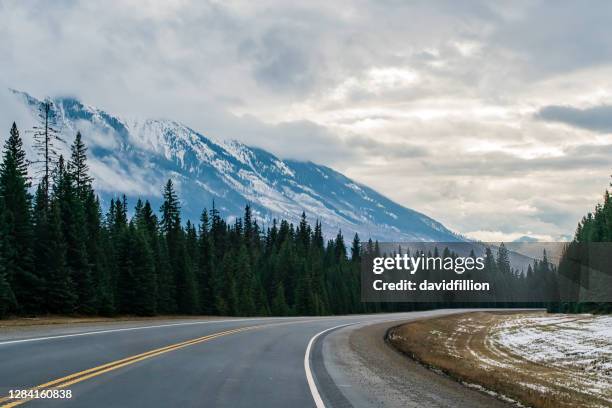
[{"x": 135, "y": 157}]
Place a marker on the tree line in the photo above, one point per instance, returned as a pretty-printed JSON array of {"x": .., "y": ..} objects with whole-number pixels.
[{"x": 60, "y": 254}]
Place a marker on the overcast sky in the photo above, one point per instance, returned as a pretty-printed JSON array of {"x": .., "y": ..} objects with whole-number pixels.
[{"x": 492, "y": 117}]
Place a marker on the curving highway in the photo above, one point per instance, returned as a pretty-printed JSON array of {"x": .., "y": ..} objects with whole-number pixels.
[{"x": 338, "y": 361}]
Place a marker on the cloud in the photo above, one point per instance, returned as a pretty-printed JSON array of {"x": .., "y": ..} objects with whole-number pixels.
[
  {"x": 13, "y": 112},
  {"x": 375, "y": 148},
  {"x": 294, "y": 139},
  {"x": 557, "y": 39},
  {"x": 110, "y": 176},
  {"x": 279, "y": 62},
  {"x": 596, "y": 118}
]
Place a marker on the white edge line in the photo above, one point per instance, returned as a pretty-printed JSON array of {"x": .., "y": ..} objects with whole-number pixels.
[
  {"x": 311, "y": 383},
  {"x": 61, "y": 336}
]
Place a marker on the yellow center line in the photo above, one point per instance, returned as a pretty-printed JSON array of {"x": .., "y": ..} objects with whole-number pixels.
[{"x": 101, "y": 369}]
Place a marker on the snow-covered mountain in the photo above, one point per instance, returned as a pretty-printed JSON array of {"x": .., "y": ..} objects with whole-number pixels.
[{"x": 136, "y": 157}]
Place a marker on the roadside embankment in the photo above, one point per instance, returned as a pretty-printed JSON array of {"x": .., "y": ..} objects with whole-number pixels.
[{"x": 541, "y": 360}]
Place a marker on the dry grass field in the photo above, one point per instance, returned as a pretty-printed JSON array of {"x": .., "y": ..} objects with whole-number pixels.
[{"x": 537, "y": 359}]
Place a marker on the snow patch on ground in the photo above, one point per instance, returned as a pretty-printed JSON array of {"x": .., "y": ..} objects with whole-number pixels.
[{"x": 578, "y": 343}]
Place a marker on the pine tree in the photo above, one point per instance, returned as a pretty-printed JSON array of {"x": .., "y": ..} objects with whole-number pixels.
[
  {"x": 14, "y": 148},
  {"x": 356, "y": 249},
  {"x": 503, "y": 259},
  {"x": 249, "y": 230},
  {"x": 340, "y": 247},
  {"x": 184, "y": 278},
  {"x": 170, "y": 209},
  {"x": 503, "y": 279},
  {"x": 317, "y": 268},
  {"x": 205, "y": 266},
  {"x": 75, "y": 235},
  {"x": 46, "y": 138},
  {"x": 303, "y": 234},
  {"x": 78, "y": 168},
  {"x": 17, "y": 222}
]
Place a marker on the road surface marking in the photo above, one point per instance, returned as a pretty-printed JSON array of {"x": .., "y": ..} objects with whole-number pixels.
[
  {"x": 311, "y": 383},
  {"x": 95, "y": 371}
]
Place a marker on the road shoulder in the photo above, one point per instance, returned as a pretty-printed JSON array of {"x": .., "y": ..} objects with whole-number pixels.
[{"x": 370, "y": 373}]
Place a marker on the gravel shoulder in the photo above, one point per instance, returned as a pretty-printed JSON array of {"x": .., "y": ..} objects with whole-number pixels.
[{"x": 371, "y": 373}]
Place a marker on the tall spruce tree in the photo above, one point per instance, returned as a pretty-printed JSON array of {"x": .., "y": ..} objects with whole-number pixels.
[
  {"x": 184, "y": 278},
  {"x": 205, "y": 266},
  {"x": 75, "y": 235},
  {"x": 171, "y": 212},
  {"x": 78, "y": 168},
  {"x": 356, "y": 249},
  {"x": 17, "y": 224},
  {"x": 78, "y": 171}
]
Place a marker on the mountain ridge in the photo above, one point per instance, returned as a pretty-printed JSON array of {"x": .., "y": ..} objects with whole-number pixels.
[{"x": 135, "y": 156}]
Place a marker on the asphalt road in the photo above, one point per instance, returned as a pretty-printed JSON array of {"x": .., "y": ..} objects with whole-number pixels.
[{"x": 272, "y": 362}]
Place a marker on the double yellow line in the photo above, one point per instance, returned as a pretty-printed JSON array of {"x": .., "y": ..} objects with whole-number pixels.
[{"x": 104, "y": 368}]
